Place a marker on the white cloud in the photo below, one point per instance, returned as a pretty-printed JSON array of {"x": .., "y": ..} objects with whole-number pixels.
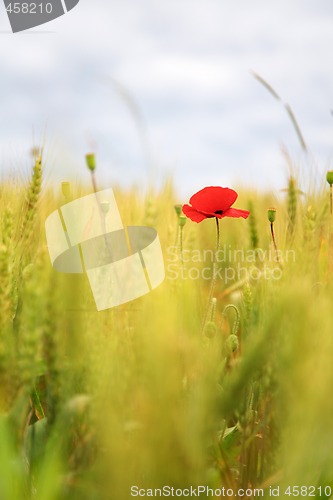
[{"x": 186, "y": 64}]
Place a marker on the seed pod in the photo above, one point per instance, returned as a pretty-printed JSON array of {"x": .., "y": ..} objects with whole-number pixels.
[
  {"x": 178, "y": 209},
  {"x": 329, "y": 177},
  {"x": 271, "y": 213},
  {"x": 182, "y": 220},
  {"x": 210, "y": 329},
  {"x": 232, "y": 343},
  {"x": 91, "y": 161},
  {"x": 66, "y": 189}
]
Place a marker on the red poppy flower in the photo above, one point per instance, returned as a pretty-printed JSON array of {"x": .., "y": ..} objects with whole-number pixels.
[{"x": 213, "y": 201}]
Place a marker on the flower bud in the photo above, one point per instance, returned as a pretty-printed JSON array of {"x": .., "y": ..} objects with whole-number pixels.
[
  {"x": 271, "y": 213},
  {"x": 178, "y": 209},
  {"x": 329, "y": 177},
  {"x": 91, "y": 161},
  {"x": 66, "y": 189},
  {"x": 232, "y": 343},
  {"x": 182, "y": 220}
]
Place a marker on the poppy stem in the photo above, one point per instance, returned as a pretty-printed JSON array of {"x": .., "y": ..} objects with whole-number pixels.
[
  {"x": 213, "y": 282},
  {"x": 331, "y": 199},
  {"x": 217, "y": 234},
  {"x": 181, "y": 246},
  {"x": 275, "y": 245},
  {"x": 93, "y": 181}
]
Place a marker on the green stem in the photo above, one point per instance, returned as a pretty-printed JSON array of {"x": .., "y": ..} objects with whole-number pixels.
[
  {"x": 181, "y": 247},
  {"x": 236, "y": 323},
  {"x": 331, "y": 199},
  {"x": 102, "y": 215},
  {"x": 213, "y": 282},
  {"x": 275, "y": 245},
  {"x": 177, "y": 236},
  {"x": 93, "y": 180}
]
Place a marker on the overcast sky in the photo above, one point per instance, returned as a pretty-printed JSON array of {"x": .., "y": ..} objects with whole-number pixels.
[{"x": 185, "y": 101}]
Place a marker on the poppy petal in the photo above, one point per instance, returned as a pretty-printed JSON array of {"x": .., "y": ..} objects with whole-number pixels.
[
  {"x": 213, "y": 198},
  {"x": 236, "y": 212},
  {"x": 193, "y": 214}
]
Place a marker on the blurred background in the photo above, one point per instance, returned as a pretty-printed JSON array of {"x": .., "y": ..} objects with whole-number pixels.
[{"x": 165, "y": 88}]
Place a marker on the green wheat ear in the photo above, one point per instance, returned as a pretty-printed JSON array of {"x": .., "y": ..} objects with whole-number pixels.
[
  {"x": 8, "y": 370},
  {"x": 254, "y": 238},
  {"x": 7, "y": 226},
  {"x": 248, "y": 305},
  {"x": 291, "y": 208},
  {"x": 32, "y": 196},
  {"x": 31, "y": 326},
  {"x": 5, "y": 288}
]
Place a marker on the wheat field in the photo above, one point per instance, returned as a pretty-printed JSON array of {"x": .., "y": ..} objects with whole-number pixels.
[{"x": 144, "y": 399}]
